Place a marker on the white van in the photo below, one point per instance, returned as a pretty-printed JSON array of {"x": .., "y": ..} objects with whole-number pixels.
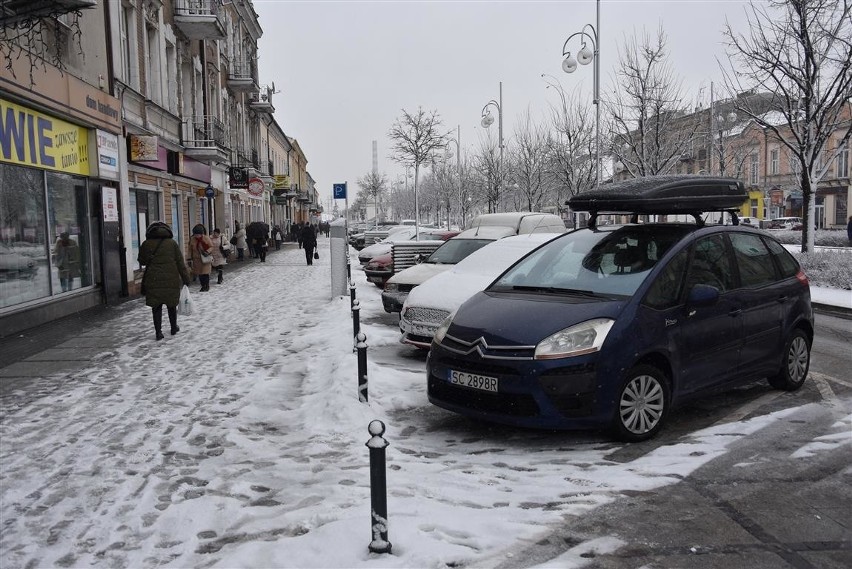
[{"x": 483, "y": 230}]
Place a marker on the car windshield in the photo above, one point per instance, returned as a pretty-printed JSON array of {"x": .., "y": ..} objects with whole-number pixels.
[
  {"x": 455, "y": 250},
  {"x": 607, "y": 262}
]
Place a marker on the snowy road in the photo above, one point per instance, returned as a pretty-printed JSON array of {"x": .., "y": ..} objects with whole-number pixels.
[{"x": 240, "y": 443}]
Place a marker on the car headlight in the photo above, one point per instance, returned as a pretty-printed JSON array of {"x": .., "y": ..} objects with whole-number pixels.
[
  {"x": 442, "y": 329},
  {"x": 583, "y": 338},
  {"x": 391, "y": 287}
]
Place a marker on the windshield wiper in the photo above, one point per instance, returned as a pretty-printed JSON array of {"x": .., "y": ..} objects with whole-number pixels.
[{"x": 557, "y": 290}]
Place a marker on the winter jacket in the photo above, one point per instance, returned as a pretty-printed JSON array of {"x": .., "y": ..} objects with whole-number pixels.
[
  {"x": 165, "y": 270},
  {"x": 218, "y": 257},
  {"x": 309, "y": 237},
  {"x": 197, "y": 243},
  {"x": 66, "y": 255},
  {"x": 241, "y": 238}
]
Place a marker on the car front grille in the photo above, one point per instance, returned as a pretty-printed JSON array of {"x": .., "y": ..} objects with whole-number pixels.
[{"x": 421, "y": 315}]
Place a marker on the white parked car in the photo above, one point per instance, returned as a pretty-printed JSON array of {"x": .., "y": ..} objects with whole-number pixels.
[
  {"x": 483, "y": 230},
  {"x": 750, "y": 221},
  {"x": 431, "y": 302},
  {"x": 383, "y": 247}
]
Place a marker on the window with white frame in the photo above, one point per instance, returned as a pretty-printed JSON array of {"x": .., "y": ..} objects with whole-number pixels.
[
  {"x": 129, "y": 71},
  {"x": 754, "y": 169},
  {"x": 843, "y": 162},
  {"x": 153, "y": 66},
  {"x": 773, "y": 160}
]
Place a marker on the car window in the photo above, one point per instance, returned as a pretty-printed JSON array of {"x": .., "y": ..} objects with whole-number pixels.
[
  {"x": 666, "y": 290},
  {"x": 603, "y": 262},
  {"x": 711, "y": 264},
  {"x": 787, "y": 264},
  {"x": 753, "y": 260},
  {"x": 455, "y": 250}
]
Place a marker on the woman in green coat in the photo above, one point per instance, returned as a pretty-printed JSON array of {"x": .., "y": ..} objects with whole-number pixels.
[{"x": 165, "y": 274}]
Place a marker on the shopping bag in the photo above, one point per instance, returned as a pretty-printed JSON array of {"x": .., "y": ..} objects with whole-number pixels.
[
  {"x": 186, "y": 306},
  {"x": 316, "y": 255}
]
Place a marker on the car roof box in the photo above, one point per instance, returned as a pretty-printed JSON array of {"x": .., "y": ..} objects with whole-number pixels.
[{"x": 663, "y": 195}]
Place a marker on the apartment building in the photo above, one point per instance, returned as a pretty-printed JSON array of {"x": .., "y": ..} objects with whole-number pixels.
[{"x": 154, "y": 111}]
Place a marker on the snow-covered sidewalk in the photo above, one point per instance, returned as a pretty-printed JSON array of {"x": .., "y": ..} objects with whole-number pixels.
[{"x": 240, "y": 442}]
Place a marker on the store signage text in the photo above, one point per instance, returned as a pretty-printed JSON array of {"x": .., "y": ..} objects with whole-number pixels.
[{"x": 31, "y": 138}]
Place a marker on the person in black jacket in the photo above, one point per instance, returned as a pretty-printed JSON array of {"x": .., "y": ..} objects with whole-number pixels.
[
  {"x": 309, "y": 242},
  {"x": 165, "y": 274}
]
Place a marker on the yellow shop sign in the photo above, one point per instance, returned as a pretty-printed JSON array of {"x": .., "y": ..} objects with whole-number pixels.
[{"x": 31, "y": 138}]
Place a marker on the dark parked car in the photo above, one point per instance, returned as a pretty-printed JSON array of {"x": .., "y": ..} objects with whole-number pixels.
[{"x": 612, "y": 326}]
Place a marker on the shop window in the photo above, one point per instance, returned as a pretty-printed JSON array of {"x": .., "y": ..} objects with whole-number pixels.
[
  {"x": 146, "y": 206},
  {"x": 68, "y": 228},
  {"x": 24, "y": 267}
]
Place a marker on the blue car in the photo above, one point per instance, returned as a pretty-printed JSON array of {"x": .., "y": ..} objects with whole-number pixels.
[{"x": 612, "y": 326}]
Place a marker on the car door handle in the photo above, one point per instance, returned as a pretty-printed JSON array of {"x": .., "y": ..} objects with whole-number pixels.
[
  {"x": 735, "y": 313},
  {"x": 782, "y": 299}
]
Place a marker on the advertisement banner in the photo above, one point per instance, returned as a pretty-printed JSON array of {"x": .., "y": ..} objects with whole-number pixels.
[
  {"x": 143, "y": 148},
  {"x": 110, "y": 203},
  {"x": 107, "y": 154},
  {"x": 238, "y": 177},
  {"x": 32, "y": 138}
]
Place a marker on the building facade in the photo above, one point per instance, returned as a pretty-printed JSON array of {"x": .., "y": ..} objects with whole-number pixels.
[{"x": 163, "y": 119}]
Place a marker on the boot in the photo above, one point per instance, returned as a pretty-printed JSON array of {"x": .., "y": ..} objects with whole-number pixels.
[
  {"x": 205, "y": 282},
  {"x": 173, "y": 319},
  {"x": 220, "y": 277},
  {"x": 157, "y": 313}
]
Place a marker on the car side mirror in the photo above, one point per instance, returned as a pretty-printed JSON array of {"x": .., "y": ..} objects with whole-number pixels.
[
  {"x": 420, "y": 257},
  {"x": 703, "y": 295}
]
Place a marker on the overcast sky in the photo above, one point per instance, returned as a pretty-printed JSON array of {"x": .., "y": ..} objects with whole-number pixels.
[{"x": 346, "y": 69}]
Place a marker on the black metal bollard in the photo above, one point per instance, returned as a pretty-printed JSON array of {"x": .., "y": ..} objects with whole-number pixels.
[
  {"x": 361, "y": 347},
  {"x": 351, "y": 293},
  {"x": 378, "y": 488},
  {"x": 356, "y": 318}
]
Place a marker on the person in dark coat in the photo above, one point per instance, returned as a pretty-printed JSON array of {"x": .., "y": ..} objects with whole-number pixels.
[
  {"x": 309, "y": 242},
  {"x": 258, "y": 236},
  {"x": 165, "y": 274}
]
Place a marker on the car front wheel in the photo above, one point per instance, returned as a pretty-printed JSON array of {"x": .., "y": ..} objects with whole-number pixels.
[
  {"x": 794, "y": 366},
  {"x": 642, "y": 404}
]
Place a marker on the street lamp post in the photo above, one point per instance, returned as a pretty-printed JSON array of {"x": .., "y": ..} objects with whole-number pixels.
[
  {"x": 457, "y": 140},
  {"x": 488, "y": 120},
  {"x": 584, "y": 57}
]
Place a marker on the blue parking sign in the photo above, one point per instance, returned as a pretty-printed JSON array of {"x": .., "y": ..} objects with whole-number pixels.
[{"x": 340, "y": 191}]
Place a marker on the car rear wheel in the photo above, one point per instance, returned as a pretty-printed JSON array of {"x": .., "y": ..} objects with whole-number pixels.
[
  {"x": 642, "y": 404},
  {"x": 794, "y": 366}
]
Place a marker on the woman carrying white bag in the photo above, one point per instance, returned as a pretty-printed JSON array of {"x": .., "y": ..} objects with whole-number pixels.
[{"x": 165, "y": 272}]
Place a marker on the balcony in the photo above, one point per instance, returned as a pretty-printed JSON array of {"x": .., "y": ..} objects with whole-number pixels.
[
  {"x": 241, "y": 76},
  {"x": 15, "y": 11},
  {"x": 204, "y": 138},
  {"x": 261, "y": 101},
  {"x": 200, "y": 19}
]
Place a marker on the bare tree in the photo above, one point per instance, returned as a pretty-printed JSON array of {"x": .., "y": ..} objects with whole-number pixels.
[
  {"x": 801, "y": 50},
  {"x": 35, "y": 33},
  {"x": 415, "y": 139},
  {"x": 572, "y": 146},
  {"x": 374, "y": 185},
  {"x": 649, "y": 131},
  {"x": 488, "y": 165},
  {"x": 530, "y": 162}
]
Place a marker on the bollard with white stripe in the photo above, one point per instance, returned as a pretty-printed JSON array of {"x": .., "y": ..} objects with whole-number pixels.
[{"x": 378, "y": 488}]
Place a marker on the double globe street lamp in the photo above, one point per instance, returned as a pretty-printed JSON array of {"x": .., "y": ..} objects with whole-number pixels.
[
  {"x": 488, "y": 120},
  {"x": 585, "y": 56}
]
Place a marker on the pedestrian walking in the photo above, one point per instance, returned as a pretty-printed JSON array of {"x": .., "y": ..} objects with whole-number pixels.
[
  {"x": 240, "y": 243},
  {"x": 309, "y": 241},
  {"x": 220, "y": 255},
  {"x": 278, "y": 237},
  {"x": 258, "y": 237},
  {"x": 299, "y": 229},
  {"x": 66, "y": 257},
  {"x": 201, "y": 253},
  {"x": 849, "y": 231},
  {"x": 165, "y": 275}
]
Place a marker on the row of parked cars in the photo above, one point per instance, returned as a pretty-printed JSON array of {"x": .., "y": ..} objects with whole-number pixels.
[{"x": 607, "y": 326}]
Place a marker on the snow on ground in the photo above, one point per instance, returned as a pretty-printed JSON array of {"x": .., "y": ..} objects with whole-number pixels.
[{"x": 240, "y": 442}]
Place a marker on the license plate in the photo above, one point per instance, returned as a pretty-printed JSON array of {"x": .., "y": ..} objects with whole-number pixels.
[{"x": 472, "y": 380}]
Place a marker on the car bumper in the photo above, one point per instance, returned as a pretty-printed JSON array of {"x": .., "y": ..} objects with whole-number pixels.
[
  {"x": 546, "y": 394},
  {"x": 418, "y": 325},
  {"x": 378, "y": 277},
  {"x": 393, "y": 301}
]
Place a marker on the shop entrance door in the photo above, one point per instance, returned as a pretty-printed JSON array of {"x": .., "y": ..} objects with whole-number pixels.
[{"x": 114, "y": 264}]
